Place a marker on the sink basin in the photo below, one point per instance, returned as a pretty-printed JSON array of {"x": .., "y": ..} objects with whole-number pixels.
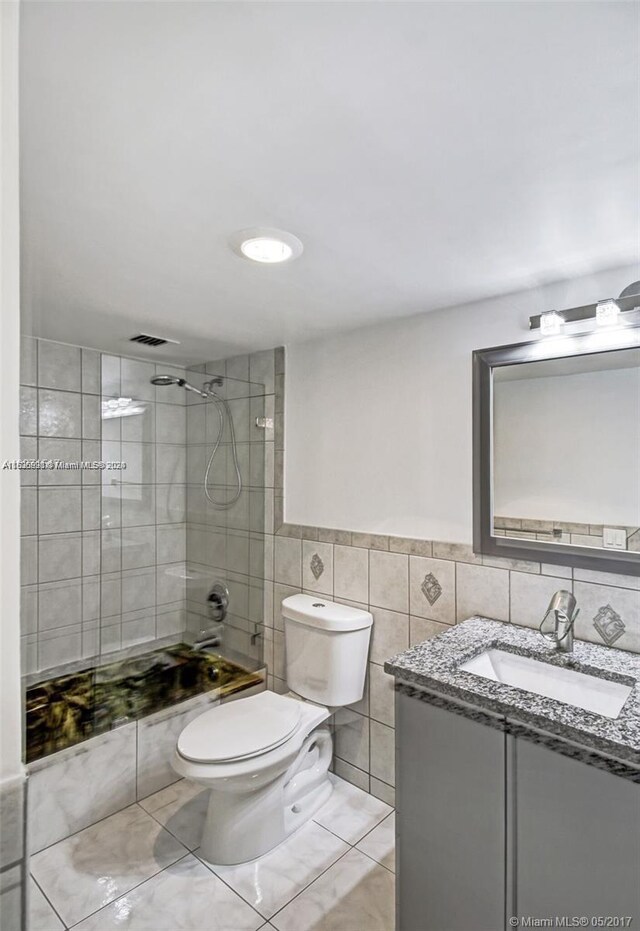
[{"x": 579, "y": 689}]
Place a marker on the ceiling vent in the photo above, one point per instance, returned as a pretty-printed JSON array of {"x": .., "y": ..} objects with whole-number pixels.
[{"x": 147, "y": 340}]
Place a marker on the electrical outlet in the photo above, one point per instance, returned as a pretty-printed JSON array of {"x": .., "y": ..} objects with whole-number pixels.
[{"x": 614, "y": 539}]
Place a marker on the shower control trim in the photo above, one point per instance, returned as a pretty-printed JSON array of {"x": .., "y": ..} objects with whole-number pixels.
[{"x": 218, "y": 602}]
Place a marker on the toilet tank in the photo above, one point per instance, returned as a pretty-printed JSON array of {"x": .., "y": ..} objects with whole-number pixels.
[{"x": 326, "y": 649}]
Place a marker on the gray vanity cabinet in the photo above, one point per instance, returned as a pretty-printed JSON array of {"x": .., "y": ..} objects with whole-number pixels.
[
  {"x": 577, "y": 837},
  {"x": 450, "y": 821},
  {"x": 492, "y": 826}
]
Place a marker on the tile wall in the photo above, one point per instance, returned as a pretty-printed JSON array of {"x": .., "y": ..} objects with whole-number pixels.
[
  {"x": 14, "y": 861},
  {"x": 102, "y": 551},
  {"x": 234, "y": 545},
  {"x": 77, "y": 787},
  {"x": 415, "y": 589}
]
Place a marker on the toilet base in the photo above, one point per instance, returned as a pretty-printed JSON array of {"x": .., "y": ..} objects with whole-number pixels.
[{"x": 242, "y": 826}]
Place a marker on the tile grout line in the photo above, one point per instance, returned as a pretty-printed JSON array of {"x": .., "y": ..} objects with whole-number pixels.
[
  {"x": 47, "y": 899},
  {"x": 129, "y": 891}
]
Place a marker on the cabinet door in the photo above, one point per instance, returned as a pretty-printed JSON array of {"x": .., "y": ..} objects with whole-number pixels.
[
  {"x": 577, "y": 838},
  {"x": 451, "y": 820}
]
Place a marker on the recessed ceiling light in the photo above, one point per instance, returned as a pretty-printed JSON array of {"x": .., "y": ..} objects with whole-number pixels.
[{"x": 268, "y": 246}]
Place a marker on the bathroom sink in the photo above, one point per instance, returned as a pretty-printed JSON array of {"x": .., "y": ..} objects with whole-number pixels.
[{"x": 602, "y": 696}]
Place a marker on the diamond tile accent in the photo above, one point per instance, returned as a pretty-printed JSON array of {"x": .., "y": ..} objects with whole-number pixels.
[
  {"x": 431, "y": 588},
  {"x": 317, "y": 566},
  {"x": 609, "y": 624}
]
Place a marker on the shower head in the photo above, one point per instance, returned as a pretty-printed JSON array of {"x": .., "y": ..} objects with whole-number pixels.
[{"x": 166, "y": 380}]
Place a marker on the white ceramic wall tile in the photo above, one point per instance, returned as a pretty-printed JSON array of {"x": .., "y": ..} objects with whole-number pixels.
[
  {"x": 608, "y": 606},
  {"x": 28, "y": 512},
  {"x": 262, "y": 369},
  {"x": 382, "y": 752},
  {"x": 136, "y": 380},
  {"x": 28, "y": 411},
  {"x": 382, "y": 791},
  {"x": 59, "y": 413},
  {"x": 90, "y": 371},
  {"x": 351, "y": 573},
  {"x": 482, "y": 590},
  {"x": 11, "y": 897},
  {"x": 433, "y": 589},
  {"x": 60, "y": 604},
  {"x": 171, "y": 424},
  {"x": 59, "y": 557},
  {"x": 381, "y": 695},
  {"x": 389, "y": 580},
  {"x": 28, "y": 360},
  {"x": 138, "y": 547},
  {"x": 157, "y": 736},
  {"x": 138, "y": 589},
  {"x": 91, "y": 417},
  {"x": 81, "y": 786},
  {"x": 390, "y": 634},
  {"x": 59, "y": 366},
  {"x": 351, "y": 738},
  {"x": 351, "y": 774},
  {"x": 421, "y": 629},
  {"x": 59, "y": 510},
  {"x": 65, "y": 450},
  {"x": 288, "y": 561},
  {"x": 530, "y": 597},
  {"x": 110, "y": 376},
  {"x": 59, "y": 645},
  {"x": 28, "y": 560},
  {"x": 12, "y": 801},
  {"x": 29, "y": 609},
  {"x": 28, "y": 450}
]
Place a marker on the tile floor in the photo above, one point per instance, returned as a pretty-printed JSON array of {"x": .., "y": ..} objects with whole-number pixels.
[{"x": 139, "y": 869}]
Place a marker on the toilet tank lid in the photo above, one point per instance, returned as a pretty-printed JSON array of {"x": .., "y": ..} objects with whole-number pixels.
[{"x": 316, "y": 611}]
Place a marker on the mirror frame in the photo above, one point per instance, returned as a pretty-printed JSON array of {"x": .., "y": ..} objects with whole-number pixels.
[{"x": 484, "y": 363}]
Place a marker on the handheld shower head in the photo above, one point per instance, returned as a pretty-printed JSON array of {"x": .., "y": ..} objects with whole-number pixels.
[{"x": 166, "y": 380}]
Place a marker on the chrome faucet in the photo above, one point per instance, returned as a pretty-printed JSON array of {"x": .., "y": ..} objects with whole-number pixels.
[
  {"x": 563, "y": 608},
  {"x": 207, "y": 638}
]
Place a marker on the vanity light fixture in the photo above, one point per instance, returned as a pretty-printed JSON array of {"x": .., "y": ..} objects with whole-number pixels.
[
  {"x": 551, "y": 323},
  {"x": 267, "y": 246},
  {"x": 607, "y": 313},
  {"x": 610, "y": 314}
]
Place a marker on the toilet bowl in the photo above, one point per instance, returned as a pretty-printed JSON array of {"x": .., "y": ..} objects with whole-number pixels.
[{"x": 265, "y": 758}]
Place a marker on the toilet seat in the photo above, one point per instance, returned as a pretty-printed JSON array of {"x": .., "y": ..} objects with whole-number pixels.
[{"x": 240, "y": 730}]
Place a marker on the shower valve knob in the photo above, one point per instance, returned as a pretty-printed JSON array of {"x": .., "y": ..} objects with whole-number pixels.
[{"x": 218, "y": 601}]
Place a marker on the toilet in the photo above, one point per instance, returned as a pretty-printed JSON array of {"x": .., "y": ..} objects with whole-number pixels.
[{"x": 265, "y": 758}]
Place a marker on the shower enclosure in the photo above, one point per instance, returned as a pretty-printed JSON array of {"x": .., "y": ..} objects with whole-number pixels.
[
  {"x": 124, "y": 539},
  {"x": 175, "y": 534}
]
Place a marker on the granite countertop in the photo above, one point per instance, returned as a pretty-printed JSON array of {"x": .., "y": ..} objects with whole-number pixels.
[{"x": 435, "y": 666}]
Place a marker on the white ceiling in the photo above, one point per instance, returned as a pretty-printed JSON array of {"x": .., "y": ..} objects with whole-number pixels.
[{"x": 425, "y": 153}]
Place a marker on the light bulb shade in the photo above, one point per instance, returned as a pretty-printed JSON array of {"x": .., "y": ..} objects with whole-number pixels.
[
  {"x": 607, "y": 313},
  {"x": 551, "y": 323}
]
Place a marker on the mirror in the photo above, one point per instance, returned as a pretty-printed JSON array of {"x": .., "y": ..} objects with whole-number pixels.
[{"x": 557, "y": 451}]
